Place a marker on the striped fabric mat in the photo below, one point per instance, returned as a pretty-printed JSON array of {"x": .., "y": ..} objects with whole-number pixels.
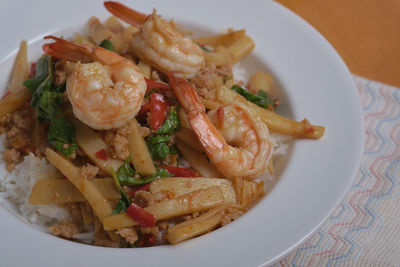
[{"x": 365, "y": 229}]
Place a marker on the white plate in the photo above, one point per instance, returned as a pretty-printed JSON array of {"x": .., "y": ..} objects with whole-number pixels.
[{"x": 317, "y": 85}]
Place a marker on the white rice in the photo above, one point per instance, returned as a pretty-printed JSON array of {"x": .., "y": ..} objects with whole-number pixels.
[
  {"x": 15, "y": 189},
  {"x": 240, "y": 73},
  {"x": 86, "y": 237},
  {"x": 281, "y": 144}
]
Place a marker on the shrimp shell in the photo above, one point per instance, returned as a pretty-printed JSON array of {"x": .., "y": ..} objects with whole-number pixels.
[
  {"x": 251, "y": 145},
  {"x": 106, "y": 91},
  {"x": 159, "y": 43},
  {"x": 102, "y": 98}
]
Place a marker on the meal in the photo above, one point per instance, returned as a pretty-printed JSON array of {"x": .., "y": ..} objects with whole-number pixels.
[{"x": 135, "y": 135}]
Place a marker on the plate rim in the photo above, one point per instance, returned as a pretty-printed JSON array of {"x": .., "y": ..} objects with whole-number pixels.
[{"x": 350, "y": 181}]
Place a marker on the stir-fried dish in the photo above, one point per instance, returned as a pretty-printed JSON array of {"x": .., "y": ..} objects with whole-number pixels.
[{"x": 153, "y": 138}]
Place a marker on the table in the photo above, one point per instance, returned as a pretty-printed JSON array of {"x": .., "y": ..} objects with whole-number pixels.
[
  {"x": 366, "y": 33},
  {"x": 364, "y": 228}
]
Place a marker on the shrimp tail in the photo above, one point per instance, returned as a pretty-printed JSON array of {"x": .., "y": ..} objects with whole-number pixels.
[
  {"x": 186, "y": 94},
  {"x": 128, "y": 15},
  {"x": 208, "y": 135},
  {"x": 67, "y": 50}
]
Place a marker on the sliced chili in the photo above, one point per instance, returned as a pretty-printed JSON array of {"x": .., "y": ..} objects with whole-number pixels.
[
  {"x": 140, "y": 188},
  {"x": 158, "y": 110},
  {"x": 141, "y": 216},
  {"x": 101, "y": 154},
  {"x": 180, "y": 172},
  {"x": 144, "y": 109}
]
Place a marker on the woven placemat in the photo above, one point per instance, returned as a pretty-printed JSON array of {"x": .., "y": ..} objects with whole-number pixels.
[{"x": 365, "y": 229}]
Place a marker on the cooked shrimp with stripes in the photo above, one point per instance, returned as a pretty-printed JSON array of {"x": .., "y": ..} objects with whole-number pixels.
[
  {"x": 235, "y": 140},
  {"x": 105, "y": 89},
  {"x": 159, "y": 43}
]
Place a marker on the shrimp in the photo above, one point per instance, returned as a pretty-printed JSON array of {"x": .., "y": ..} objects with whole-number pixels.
[
  {"x": 105, "y": 90},
  {"x": 251, "y": 145},
  {"x": 158, "y": 42}
]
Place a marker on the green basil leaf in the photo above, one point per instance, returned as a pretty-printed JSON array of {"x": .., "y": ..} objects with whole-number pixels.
[
  {"x": 121, "y": 206},
  {"x": 160, "y": 151},
  {"x": 47, "y": 99},
  {"x": 59, "y": 88},
  {"x": 61, "y": 135},
  {"x": 161, "y": 173},
  {"x": 65, "y": 149},
  {"x": 127, "y": 176},
  {"x": 122, "y": 178},
  {"x": 158, "y": 146},
  {"x": 42, "y": 81},
  {"x": 125, "y": 172},
  {"x": 158, "y": 139},
  {"x": 172, "y": 150},
  {"x": 171, "y": 123},
  {"x": 48, "y": 105},
  {"x": 115, "y": 178},
  {"x": 42, "y": 72},
  {"x": 260, "y": 99},
  {"x": 124, "y": 203},
  {"x": 139, "y": 181},
  {"x": 107, "y": 44}
]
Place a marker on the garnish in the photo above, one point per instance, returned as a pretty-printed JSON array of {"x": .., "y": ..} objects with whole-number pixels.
[
  {"x": 101, "y": 154},
  {"x": 47, "y": 99},
  {"x": 124, "y": 202},
  {"x": 159, "y": 143},
  {"x": 61, "y": 135},
  {"x": 158, "y": 110},
  {"x": 179, "y": 171},
  {"x": 171, "y": 124},
  {"x": 107, "y": 44},
  {"x": 141, "y": 216},
  {"x": 126, "y": 175},
  {"x": 159, "y": 146},
  {"x": 260, "y": 99}
]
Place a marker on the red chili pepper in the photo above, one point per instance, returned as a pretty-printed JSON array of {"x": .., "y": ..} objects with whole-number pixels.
[
  {"x": 144, "y": 109},
  {"x": 156, "y": 85},
  {"x": 141, "y": 216},
  {"x": 180, "y": 172},
  {"x": 158, "y": 110},
  {"x": 101, "y": 154},
  {"x": 33, "y": 70},
  {"x": 147, "y": 240},
  {"x": 140, "y": 188}
]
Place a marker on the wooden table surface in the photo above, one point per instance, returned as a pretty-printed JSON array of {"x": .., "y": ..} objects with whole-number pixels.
[{"x": 366, "y": 33}]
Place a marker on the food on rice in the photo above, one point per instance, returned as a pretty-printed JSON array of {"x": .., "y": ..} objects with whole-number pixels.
[{"x": 119, "y": 148}]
